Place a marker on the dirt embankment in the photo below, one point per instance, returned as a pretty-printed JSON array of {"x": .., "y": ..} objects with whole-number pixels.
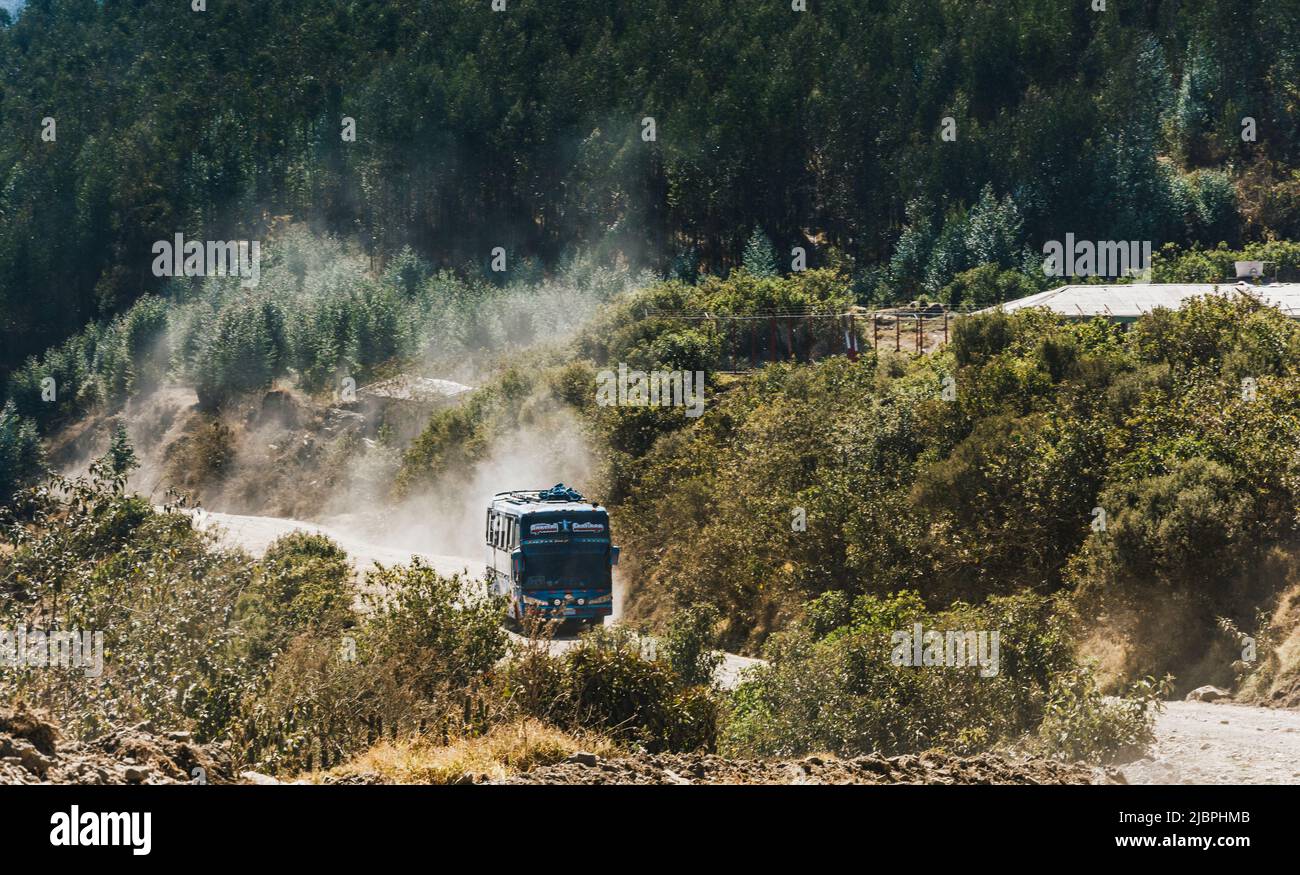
[
  {"x": 926, "y": 768},
  {"x": 32, "y": 751},
  {"x": 280, "y": 452}
]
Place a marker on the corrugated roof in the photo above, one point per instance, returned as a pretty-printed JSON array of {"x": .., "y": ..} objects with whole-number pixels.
[{"x": 1131, "y": 300}]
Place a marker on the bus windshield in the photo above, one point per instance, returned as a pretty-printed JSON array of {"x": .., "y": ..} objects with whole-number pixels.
[{"x": 566, "y": 566}]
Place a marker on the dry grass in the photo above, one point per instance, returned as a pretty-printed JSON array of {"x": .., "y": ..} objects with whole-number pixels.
[
  {"x": 1276, "y": 680},
  {"x": 507, "y": 749}
]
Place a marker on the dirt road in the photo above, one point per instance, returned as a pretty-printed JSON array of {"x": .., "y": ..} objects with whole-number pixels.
[
  {"x": 255, "y": 534},
  {"x": 1196, "y": 742},
  {"x": 1213, "y": 743}
]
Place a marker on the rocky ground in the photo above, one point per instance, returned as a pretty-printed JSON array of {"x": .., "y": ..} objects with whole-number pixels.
[
  {"x": 1197, "y": 742},
  {"x": 1212, "y": 741},
  {"x": 927, "y": 768},
  {"x": 32, "y": 751}
]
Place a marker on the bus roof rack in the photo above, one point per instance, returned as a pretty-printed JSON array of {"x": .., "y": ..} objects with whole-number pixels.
[{"x": 559, "y": 492}]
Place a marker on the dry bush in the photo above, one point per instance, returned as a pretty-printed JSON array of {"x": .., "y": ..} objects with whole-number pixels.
[{"x": 506, "y": 749}]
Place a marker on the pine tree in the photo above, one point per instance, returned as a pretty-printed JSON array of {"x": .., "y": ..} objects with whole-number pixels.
[
  {"x": 760, "y": 255},
  {"x": 120, "y": 457},
  {"x": 21, "y": 458}
]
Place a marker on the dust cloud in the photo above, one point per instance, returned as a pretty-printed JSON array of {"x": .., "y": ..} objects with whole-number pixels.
[
  {"x": 290, "y": 454},
  {"x": 448, "y": 518}
]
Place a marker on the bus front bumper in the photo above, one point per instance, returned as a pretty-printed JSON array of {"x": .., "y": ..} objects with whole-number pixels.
[{"x": 565, "y": 606}]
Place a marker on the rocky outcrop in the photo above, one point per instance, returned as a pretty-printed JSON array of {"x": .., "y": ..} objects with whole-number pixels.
[{"x": 32, "y": 751}]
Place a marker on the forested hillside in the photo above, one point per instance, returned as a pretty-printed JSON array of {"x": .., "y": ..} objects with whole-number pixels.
[
  {"x": 525, "y": 129},
  {"x": 1117, "y": 501}
]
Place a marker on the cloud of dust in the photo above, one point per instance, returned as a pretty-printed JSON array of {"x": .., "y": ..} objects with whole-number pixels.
[
  {"x": 154, "y": 418},
  {"x": 449, "y": 517},
  {"x": 463, "y": 330},
  {"x": 154, "y": 421}
]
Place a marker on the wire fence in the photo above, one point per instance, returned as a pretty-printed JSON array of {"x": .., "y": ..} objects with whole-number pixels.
[{"x": 756, "y": 339}]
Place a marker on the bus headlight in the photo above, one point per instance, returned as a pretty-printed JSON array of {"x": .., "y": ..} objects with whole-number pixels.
[
  {"x": 557, "y": 602},
  {"x": 582, "y": 601}
]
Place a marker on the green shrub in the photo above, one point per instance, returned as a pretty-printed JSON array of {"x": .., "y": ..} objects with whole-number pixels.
[
  {"x": 267, "y": 655},
  {"x": 129, "y": 358},
  {"x": 1081, "y": 724},
  {"x": 419, "y": 659},
  {"x": 985, "y": 286},
  {"x": 612, "y": 682},
  {"x": 978, "y": 338},
  {"x": 303, "y": 584},
  {"x": 844, "y": 692},
  {"x": 691, "y": 642},
  {"x": 628, "y": 331},
  {"x": 1177, "y": 530},
  {"x": 93, "y": 559},
  {"x": 71, "y": 368},
  {"x": 428, "y": 628},
  {"x": 610, "y": 685},
  {"x": 22, "y": 459}
]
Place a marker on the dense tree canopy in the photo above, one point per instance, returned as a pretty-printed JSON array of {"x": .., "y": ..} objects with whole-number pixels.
[{"x": 525, "y": 129}]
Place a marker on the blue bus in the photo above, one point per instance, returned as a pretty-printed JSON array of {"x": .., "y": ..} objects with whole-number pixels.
[{"x": 549, "y": 552}]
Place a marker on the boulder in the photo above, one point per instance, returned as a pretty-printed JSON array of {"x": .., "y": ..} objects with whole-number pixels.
[
  {"x": 258, "y": 778},
  {"x": 1207, "y": 693}
]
